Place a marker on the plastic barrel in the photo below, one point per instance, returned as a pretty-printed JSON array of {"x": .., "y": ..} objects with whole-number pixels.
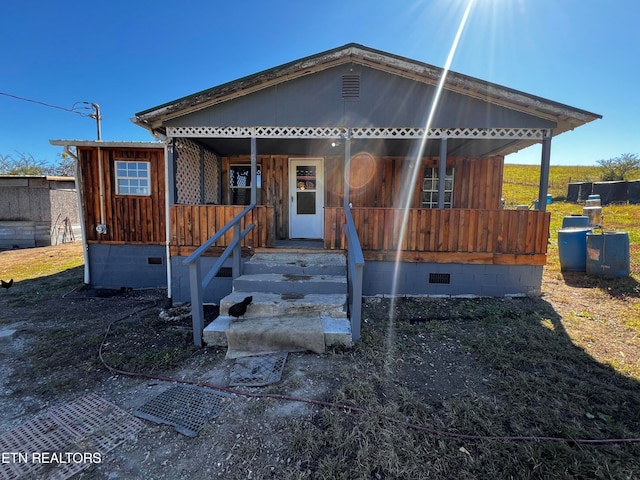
[
  {"x": 549, "y": 198},
  {"x": 608, "y": 254},
  {"x": 572, "y": 249},
  {"x": 575, "y": 221}
]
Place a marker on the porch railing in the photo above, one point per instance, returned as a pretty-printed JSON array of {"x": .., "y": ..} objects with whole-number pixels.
[
  {"x": 193, "y": 262},
  {"x": 450, "y": 231},
  {"x": 355, "y": 267}
]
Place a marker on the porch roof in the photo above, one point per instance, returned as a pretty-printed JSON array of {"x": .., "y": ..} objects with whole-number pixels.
[{"x": 557, "y": 116}]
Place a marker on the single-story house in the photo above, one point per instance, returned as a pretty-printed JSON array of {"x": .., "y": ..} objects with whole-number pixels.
[
  {"x": 344, "y": 149},
  {"x": 37, "y": 211}
]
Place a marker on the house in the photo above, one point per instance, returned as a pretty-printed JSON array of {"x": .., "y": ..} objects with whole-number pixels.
[
  {"x": 344, "y": 150},
  {"x": 37, "y": 211}
]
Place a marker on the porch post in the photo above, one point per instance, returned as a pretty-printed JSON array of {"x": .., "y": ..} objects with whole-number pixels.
[
  {"x": 254, "y": 171},
  {"x": 544, "y": 171},
  {"x": 347, "y": 166},
  {"x": 442, "y": 171}
]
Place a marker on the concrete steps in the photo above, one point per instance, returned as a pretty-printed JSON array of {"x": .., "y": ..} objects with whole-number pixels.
[{"x": 299, "y": 303}]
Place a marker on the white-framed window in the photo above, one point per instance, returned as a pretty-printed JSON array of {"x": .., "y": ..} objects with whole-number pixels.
[
  {"x": 430, "y": 188},
  {"x": 240, "y": 184},
  {"x": 133, "y": 178}
]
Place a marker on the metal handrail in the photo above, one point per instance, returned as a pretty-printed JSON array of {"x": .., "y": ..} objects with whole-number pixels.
[
  {"x": 193, "y": 262},
  {"x": 355, "y": 267}
]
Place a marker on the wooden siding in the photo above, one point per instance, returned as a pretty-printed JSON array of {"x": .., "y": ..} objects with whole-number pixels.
[
  {"x": 132, "y": 219},
  {"x": 375, "y": 182},
  {"x": 451, "y": 235},
  {"x": 192, "y": 225}
]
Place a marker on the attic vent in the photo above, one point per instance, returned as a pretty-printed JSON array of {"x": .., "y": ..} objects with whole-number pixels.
[
  {"x": 351, "y": 86},
  {"x": 440, "y": 278}
]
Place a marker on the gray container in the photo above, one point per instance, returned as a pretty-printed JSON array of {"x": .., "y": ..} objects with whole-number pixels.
[{"x": 608, "y": 254}]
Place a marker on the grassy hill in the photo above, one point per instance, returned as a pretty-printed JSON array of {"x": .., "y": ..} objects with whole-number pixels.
[{"x": 521, "y": 181}]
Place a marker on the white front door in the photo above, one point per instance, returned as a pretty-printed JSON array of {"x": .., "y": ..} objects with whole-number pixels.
[{"x": 306, "y": 196}]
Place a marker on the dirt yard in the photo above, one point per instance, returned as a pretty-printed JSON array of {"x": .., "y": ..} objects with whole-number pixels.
[{"x": 425, "y": 371}]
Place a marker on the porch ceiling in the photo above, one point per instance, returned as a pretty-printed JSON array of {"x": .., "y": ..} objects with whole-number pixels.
[{"x": 463, "y": 147}]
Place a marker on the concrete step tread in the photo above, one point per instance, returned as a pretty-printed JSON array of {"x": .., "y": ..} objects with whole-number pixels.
[
  {"x": 292, "y": 278},
  {"x": 337, "y": 331},
  {"x": 300, "y": 259},
  {"x": 277, "y": 304}
]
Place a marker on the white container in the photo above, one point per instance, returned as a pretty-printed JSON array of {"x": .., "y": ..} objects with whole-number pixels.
[{"x": 594, "y": 214}]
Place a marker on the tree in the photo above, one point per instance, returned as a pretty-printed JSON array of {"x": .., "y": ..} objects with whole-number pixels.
[
  {"x": 24, "y": 164},
  {"x": 623, "y": 167}
]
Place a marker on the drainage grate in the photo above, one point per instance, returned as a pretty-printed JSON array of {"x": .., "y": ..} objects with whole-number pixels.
[
  {"x": 66, "y": 440},
  {"x": 259, "y": 370},
  {"x": 188, "y": 408}
]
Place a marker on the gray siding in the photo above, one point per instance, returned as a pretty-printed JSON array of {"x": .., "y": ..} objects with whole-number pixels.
[
  {"x": 480, "y": 280},
  {"x": 386, "y": 100},
  {"x": 219, "y": 287},
  {"x": 127, "y": 266}
]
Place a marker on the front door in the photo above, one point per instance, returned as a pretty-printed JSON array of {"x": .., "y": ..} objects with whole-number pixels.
[{"x": 306, "y": 194}]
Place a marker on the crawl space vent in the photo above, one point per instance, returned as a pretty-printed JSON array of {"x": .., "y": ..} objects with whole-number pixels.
[
  {"x": 444, "y": 278},
  {"x": 351, "y": 86}
]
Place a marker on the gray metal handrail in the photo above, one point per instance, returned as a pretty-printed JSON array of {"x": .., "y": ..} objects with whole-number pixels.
[
  {"x": 355, "y": 267},
  {"x": 193, "y": 262}
]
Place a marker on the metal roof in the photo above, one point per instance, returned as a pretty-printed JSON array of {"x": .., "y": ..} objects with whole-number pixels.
[{"x": 98, "y": 143}]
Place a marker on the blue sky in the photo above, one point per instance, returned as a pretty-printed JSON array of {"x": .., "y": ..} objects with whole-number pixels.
[{"x": 130, "y": 55}]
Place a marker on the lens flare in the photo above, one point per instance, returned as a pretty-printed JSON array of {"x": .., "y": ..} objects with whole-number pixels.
[{"x": 412, "y": 172}]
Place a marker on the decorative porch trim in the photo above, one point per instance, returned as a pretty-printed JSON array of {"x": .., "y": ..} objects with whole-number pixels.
[{"x": 357, "y": 132}]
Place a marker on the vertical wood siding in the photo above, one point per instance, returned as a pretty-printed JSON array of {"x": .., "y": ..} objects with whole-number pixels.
[
  {"x": 136, "y": 219},
  {"x": 453, "y": 230},
  {"x": 192, "y": 225}
]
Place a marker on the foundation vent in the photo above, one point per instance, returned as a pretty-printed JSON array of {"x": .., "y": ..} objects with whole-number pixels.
[
  {"x": 351, "y": 86},
  {"x": 442, "y": 278}
]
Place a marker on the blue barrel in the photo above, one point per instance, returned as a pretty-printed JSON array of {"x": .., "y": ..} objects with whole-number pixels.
[
  {"x": 549, "y": 198},
  {"x": 573, "y": 221},
  {"x": 572, "y": 249},
  {"x": 608, "y": 254}
]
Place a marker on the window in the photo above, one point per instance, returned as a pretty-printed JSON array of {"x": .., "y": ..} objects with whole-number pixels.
[
  {"x": 430, "y": 188},
  {"x": 132, "y": 178},
  {"x": 240, "y": 184}
]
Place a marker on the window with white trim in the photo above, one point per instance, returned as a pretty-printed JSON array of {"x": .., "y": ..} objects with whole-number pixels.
[
  {"x": 430, "y": 188},
  {"x": 133, "y": 178},
  {"x": 240, "y": 184}
]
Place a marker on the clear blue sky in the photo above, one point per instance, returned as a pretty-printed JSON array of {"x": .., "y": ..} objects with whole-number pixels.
[{"x": 130, "y": 55}]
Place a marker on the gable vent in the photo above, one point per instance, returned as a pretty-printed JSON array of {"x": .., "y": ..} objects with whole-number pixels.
[{"x": 351, "y": 86}]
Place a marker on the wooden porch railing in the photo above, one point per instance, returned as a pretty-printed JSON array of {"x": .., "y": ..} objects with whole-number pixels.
[
  {"x": 451, "y": 231},
  {"x": 192, "y": 225}
]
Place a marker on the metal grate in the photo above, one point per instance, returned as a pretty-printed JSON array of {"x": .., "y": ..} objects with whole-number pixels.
[
  {"x": 188, "y": 408},
  {"x": 440, "y": 278},
  {"x": 66, "y": 440},
  {"x": 259, "y": 370}
]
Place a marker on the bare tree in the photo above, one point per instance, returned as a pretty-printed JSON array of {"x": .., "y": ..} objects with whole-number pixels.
[
  {"x": 25, "y": 164},
  {"x": 623, "y": 167}
]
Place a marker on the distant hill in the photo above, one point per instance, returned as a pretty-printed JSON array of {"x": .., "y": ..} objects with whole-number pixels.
[{"x": 521, "y": 182}]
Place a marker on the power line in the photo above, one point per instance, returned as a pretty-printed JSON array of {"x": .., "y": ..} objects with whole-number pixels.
[{"x": 73, "y": 109}]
